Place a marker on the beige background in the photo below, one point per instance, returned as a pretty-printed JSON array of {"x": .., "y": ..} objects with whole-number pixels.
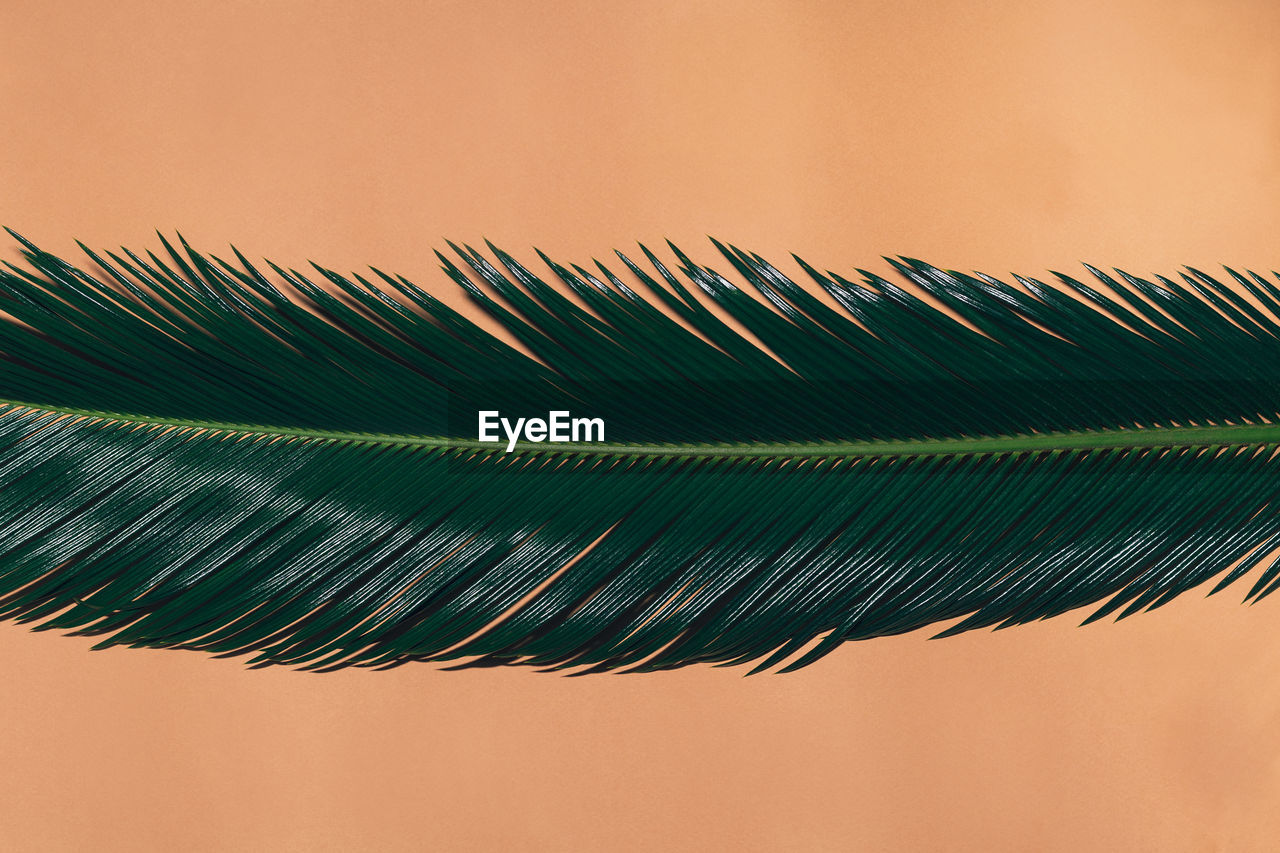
[{"x": 997, "y": 136}]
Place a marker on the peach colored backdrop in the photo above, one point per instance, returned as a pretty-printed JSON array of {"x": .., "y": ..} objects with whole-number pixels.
[{"x": 997, "y": 136}]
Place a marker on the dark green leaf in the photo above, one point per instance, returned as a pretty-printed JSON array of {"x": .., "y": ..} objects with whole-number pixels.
[{"x": 195, "y": 455}]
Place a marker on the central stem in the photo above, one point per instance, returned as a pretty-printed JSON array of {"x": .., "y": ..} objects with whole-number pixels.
[{"x": 1167, "y": 436}]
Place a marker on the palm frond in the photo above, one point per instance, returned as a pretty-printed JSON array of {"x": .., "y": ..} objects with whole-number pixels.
[{"x": 197, "y": 454}]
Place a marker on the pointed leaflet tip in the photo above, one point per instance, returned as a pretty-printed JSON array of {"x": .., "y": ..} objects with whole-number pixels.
[
  {"x": 902, "y": 266},
  {"x": 1096, "y": 273},
  {"x": 726, "y": 249},
  {"x": 681, "y": 256},
  {"x": 542, "y": 256},
  {"x": 23, "y": 240}
]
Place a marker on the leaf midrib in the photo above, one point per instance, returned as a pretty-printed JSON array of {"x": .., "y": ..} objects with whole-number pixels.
[{"x": 1218, "y": 435}]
